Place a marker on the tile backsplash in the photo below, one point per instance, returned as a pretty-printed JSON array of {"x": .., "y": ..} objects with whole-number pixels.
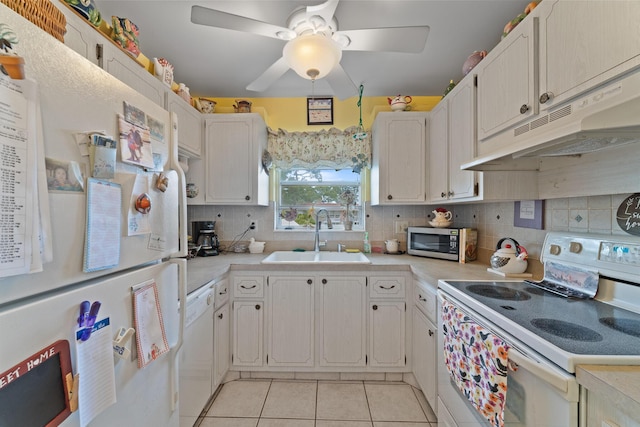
[{"x": 493, "y": 220}]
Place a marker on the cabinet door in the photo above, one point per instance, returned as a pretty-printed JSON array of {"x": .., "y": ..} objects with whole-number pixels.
[
  {"x": 248, "y": 321},
  {"x": 342, "y": 321},
  {"x": 438, "y": 151},
  {"x": 386, "y": 333},
  {"x": 234, "y": 145},
  {"x": 575, "y": 58},
  {"x": 189, "y": 125},
  {"x": 221, "y": 343},
  {"x": 81, "y": 38},
  {"x": 290, "y": 321},
  {"x": 424, "y": 355},
  {"x": 507, "y": 80},
  {"x": 399, "y": 158},
  {"x": 132, "y": 73},
  {"x": 462, "y": 139}
]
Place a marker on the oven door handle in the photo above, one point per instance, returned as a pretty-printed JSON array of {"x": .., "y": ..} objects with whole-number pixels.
[{"x": 562, "y": 381}]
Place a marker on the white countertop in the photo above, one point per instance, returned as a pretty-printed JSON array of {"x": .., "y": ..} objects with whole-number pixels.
[
  {"x": 202, "y": 270},
  {"x": 620, "y": 384}
]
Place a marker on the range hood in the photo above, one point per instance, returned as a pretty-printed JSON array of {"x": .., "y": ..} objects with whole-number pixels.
[{"x": 605, "y": 117}]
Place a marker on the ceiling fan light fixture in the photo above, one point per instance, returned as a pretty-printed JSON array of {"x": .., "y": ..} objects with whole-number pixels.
[{"x": 312, "y": 56}]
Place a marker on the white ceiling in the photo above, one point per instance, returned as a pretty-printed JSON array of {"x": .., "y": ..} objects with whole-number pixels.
[{"x": 221, "y": 63}]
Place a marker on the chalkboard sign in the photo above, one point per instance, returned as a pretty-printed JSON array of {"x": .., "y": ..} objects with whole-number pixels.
[
  {"x": 628, "y": 215},
  {"x": 34, "y": 392}
]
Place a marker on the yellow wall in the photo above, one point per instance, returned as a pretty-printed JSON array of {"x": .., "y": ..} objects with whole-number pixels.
[{"x": 291, "y": 113}]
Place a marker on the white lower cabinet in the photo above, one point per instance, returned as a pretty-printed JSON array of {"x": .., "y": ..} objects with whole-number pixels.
[
  {"x": 248, "y": 336},
  {"x": 342, "y": 321},
  {"x": 221, "y": 342},
  {"x": 386, "y": 333},
  {"x": 424, "y": 355},
  {"x": 290, "y": 325},
  {"x": 425, "y": 340},
  {"x": 320, "y": 321}
]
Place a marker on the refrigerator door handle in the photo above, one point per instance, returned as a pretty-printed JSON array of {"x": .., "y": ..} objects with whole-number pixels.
[
  {"x": 182, "y": 291},
  {"x": 182, "y": 187}
]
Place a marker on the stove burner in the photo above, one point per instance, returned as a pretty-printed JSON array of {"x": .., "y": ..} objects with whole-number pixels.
[
  {"x": 567, "y": 330},
  {"x": 626, "y": 326},
  {"x": 499, "y": 292}
]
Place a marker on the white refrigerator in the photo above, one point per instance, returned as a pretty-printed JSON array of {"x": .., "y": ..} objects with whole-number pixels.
[{"x": 38, "y": 309}]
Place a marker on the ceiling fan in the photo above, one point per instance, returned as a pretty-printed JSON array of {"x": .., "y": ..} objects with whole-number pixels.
[{"x": 314, "y": 45}]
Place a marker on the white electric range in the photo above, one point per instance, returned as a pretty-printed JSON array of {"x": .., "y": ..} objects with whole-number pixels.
[{"x": 550, "y": 334}]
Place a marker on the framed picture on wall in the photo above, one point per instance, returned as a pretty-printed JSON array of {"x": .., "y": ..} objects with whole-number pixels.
[{"x": 320, "y": 111}]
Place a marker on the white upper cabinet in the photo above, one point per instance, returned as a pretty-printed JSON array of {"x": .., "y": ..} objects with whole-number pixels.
[
  {"x": 80, "y": 37},
  {"x": 562, "y": 50},
  {"x": 507, "y": 81},
  {"x": 190, "y": 125},
  {"x": 452, "y": 141},
  {"x": 584, "y": 44},
  {"x": 398, "y": 172},
  {"x": 129, "y": 71},
  {"x": 234, "y": 171}
]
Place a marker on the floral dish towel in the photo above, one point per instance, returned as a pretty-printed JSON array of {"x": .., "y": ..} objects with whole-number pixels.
[{"x": 477, "y": 361}]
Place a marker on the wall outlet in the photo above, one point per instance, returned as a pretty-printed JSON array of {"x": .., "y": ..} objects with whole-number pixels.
[
  {"x": 253, "y": 226},
  {"x": 401, "y": 226}
]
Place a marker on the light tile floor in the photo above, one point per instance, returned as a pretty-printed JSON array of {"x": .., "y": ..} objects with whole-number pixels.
[{"x": 309, "y": 403}]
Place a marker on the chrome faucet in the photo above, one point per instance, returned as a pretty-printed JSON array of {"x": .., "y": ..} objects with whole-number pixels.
[{"x": 316, "y": 243}]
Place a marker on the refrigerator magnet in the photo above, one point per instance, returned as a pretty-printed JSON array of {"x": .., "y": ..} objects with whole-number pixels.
[{"x": 143, "y": 203}]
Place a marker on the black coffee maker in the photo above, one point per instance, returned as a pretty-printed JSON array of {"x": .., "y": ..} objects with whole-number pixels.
[{"x": 204, "y": 235}]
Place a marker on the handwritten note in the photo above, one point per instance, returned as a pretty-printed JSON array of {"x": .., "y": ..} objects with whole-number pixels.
[{"x": 628, "y": 214}]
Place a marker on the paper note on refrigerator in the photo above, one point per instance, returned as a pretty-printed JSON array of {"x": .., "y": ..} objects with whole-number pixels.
[
  {"x": 102, "y": 240},
  {"x": 97, "y": 389},
  {"x": 151, "y": 338}
]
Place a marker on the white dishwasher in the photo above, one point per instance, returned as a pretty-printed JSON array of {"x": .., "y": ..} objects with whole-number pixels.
[{"x": 196, "y": 355}]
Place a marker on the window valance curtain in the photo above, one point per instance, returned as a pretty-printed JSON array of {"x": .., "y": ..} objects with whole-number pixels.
[{"x": 333, "y": 148}]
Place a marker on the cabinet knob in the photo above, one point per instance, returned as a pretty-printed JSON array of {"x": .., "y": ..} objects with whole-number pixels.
[
  {"x": 220, "y": 316},
  {"x": 546, "y": 97},
  {"x": 324, "y": 281},
  {"x": 247, "y": 197},
  {"x": 375, "y": 307},
  {"x": 247, "y": 287},
  {"x": 450, "y": 193},
  {"x": 443, "y": 194},
  {"x": 421, "y": 298},
  {"x": 524, "y": 108},
  {"x": 208, "y": 299},
  {"x": 309, "y": 281},
  {"x": 430, "y": 333},
  {"x": 389, "y": 197},
  {"x": 257, "y": 306}
]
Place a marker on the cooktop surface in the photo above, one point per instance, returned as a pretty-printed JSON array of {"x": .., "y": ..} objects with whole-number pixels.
[{"x": 577, "y": 326}]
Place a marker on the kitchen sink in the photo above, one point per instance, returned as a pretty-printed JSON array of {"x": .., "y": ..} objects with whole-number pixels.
[{"x": 289, "y": 257}]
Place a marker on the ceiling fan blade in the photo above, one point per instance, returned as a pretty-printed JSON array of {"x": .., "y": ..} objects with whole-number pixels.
[
  {"x": 341, "y": 83},
  {"x": 216, "y": 18},
  {"x": 324, "y": 10},
  {"x": 395, "y": 39},
  {"x": 271, "y": 74}
]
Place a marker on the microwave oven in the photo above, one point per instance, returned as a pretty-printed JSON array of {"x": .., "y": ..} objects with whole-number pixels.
[{"x": 454, "y": 244}]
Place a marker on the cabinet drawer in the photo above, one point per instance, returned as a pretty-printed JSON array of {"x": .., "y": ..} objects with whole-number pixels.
[
  {"x": 425, "y": 299},
  {"x": 248, "y": 287},
  {"x": 222, "y": 293},
  {"x": 387, "y": 287}
]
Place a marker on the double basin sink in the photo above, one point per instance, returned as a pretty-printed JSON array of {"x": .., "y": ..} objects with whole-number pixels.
[{"x": 290, "y": 257}]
